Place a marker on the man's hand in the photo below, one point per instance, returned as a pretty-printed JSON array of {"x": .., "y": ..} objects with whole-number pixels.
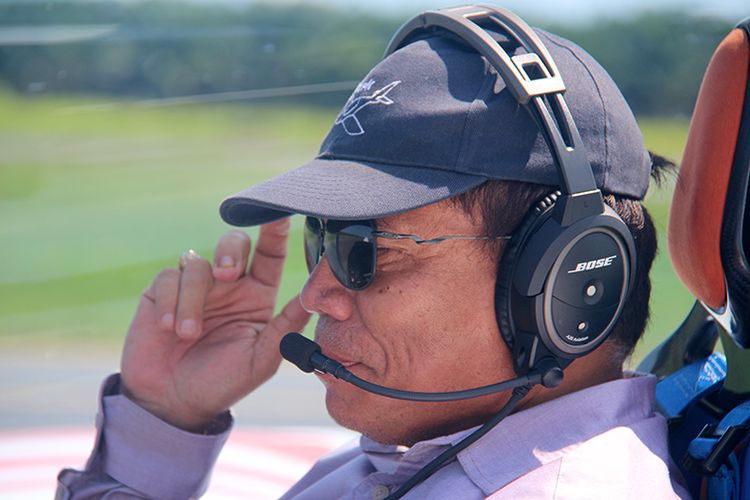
[{"x": 205, "y": 336}]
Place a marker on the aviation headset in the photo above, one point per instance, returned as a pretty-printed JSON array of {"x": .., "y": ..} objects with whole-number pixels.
[{"x": 567, "y": 272}]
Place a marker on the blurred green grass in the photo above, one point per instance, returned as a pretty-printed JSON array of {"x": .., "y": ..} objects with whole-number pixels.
[
  {"x": 96, "y": 197},
  {"x": 94, "y": 201},
  {"x": 670, "y": 301}
]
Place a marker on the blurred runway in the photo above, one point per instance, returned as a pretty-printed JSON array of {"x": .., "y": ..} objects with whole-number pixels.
[
  {"x": 48, "y": 400},
  {"x": 44, "y": 386},
  {"x": 258, "y": 463}
]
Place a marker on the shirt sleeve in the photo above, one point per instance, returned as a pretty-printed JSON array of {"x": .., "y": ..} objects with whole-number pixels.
[{"x": 137, "y": 455}]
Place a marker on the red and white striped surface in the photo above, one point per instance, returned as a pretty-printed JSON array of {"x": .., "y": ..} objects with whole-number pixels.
[{"x": 256, "y": 463}]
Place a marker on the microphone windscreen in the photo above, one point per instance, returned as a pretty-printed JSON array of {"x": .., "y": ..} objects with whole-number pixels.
[{"x": 298, "y": 350}]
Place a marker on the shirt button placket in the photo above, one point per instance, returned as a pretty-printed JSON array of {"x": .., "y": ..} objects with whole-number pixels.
[{"x": 380, "y": 491}]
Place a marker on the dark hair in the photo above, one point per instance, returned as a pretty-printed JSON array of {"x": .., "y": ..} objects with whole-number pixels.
[{"x": 502, "y": 205}]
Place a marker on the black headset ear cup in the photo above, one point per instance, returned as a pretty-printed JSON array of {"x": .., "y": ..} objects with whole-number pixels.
[{"x": 542, "y": 209}]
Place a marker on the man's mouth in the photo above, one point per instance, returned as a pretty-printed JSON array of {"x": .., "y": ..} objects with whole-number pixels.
[
  {"x": 328, "y": 378},
  {"x": 347, "y": 364},
  {"x": 332, "y": 348},
  {"x": 339, "y": 358}
]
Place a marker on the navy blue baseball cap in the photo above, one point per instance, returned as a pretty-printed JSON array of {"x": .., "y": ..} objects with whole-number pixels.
[{"x": 433, "y": 120}]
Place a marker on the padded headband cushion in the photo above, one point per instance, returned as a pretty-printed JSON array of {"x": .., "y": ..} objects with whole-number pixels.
[{"x": 700, "y": 194}]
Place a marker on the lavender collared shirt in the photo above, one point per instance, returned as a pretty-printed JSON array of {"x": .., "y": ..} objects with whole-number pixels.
[{"x": 605, "y": 441}]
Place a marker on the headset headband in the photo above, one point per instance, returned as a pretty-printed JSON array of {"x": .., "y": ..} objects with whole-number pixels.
[{"x": 534, "y": 80}]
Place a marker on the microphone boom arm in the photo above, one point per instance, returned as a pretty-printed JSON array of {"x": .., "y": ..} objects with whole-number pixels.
[{"x": 306, "y": 355}]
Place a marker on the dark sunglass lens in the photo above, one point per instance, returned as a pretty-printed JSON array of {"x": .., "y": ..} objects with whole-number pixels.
[
  {"x": 355, "y": 262},
  {"x": 313, "y": 235}
]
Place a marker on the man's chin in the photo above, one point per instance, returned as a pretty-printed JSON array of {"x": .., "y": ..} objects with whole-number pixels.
[
  {"x": 344, "y": 413},
  {"x": 342, "y": 399},
  {"x": 378, "y": 418},
  {"x": 389, "y": 421},
  {"x": 350, "y": 406}
]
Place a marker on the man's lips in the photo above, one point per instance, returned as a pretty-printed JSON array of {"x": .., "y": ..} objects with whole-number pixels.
[
  {"x": 327, "y": 378},
  {"x": 345, "y": 363},
  {"x": 340, "y": 358}
]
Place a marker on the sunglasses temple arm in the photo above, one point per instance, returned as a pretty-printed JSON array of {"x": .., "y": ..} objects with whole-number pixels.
[{"x": 419, "y": 241}]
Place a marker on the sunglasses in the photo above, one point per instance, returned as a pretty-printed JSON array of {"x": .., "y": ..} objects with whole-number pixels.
[{"x": 352, "y": 250}]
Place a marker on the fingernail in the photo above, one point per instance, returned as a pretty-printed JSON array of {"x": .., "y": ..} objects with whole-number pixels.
[
  {"x": 188, "y": 328},
  {"x": 226, "y": 261},
  {"x": 167, "y": 321}
]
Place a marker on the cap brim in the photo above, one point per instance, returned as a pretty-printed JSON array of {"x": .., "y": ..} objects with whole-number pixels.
[{"x": 344, "y": 190}]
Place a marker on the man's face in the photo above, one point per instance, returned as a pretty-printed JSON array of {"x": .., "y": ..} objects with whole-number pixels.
[{"x": 426, "y": 323}]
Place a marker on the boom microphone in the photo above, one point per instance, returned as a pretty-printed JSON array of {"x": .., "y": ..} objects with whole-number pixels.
[{"x": 307, "y": 356}]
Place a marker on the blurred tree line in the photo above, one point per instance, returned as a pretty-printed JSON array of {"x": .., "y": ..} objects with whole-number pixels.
[{"x": 165, "y": 49}]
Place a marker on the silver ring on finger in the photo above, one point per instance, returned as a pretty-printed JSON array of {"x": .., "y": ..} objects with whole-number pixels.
[{"x": 187, "y": 255}]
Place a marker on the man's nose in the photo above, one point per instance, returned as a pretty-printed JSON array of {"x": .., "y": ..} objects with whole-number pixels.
[{"x": 324, "y": 295}]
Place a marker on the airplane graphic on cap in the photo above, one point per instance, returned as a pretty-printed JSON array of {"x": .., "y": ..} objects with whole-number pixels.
[{"x": 348, "y": 116}]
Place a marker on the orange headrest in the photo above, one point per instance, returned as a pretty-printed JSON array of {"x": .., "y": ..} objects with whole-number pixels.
[{"x": 697, "y": 211}]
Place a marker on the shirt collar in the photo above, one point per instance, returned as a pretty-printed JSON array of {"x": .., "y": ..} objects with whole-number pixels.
[{"x": 530, "y": 438}]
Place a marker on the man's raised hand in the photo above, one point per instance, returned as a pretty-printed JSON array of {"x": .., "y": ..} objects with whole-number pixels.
[{"x": 204, "y": 335}]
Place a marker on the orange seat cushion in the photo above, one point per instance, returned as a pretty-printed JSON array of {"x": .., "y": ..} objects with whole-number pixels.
[{"x": 699, "y": 198}]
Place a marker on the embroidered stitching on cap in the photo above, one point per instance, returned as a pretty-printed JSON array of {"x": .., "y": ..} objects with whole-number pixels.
[{"x": 348, "y": 116}]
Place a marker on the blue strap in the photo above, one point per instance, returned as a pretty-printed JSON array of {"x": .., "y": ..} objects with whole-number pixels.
[
  {"x": 739, "y": 415},
  {"x": 745, "y": 487},
  {"x": 702, "y": 446},
  {"x": 726, "y": 482},
  {"x": 690, "y": 383}
]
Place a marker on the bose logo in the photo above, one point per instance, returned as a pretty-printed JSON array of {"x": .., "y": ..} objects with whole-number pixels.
[{"x": 593, "y": 264}]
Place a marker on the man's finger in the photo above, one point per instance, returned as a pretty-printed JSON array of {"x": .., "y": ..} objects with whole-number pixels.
[
  {"x": 195, "y": 282},
  {"x": 165, "y": 290},
  {"x": 230, "y": 258},
  {"x": 292, "y": 318},
  {"x": 270, "y": 252}
]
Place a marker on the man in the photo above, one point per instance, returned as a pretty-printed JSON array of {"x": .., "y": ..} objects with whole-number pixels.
[{"x": 429, "y": 148}]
